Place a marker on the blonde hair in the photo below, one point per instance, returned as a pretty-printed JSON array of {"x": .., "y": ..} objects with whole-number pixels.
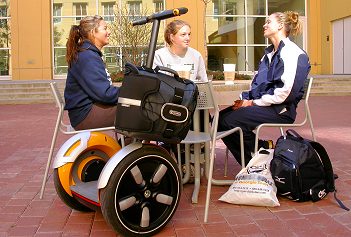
[
  {"x": 78, "y": 34},
  {"x": 291, "y": 22},
  {"x": 172, "y": 28}
]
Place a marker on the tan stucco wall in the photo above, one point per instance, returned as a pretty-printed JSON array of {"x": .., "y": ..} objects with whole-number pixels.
[
  {"x": 331, "y": 11},
  {"x": 320, "y": 15},
  {"x": 313, "y": 35},
  {"x": 31, "y": 39}
]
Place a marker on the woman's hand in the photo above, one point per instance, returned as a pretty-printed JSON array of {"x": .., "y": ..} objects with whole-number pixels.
[{"x": 242, "y": 103}]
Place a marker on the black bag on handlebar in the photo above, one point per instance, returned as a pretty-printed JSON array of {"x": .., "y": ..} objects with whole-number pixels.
[{"x": 155, "y": 106}]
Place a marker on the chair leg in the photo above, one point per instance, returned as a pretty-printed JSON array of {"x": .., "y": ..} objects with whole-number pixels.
[
  {"x": 226, "y": 162},
  {"x": 179, "y": 157},
  {"x": 52, "y": 147},
  {"x": 209, "y": 184},
  {"x": 196, "y": 191},
  {"x": 310, "y": 122},
  {"x": 281, "y": 131},
  {"x": 210, "y": 180},
  {"x": 187, "y": 162},
  {"x": 123, "y": 142},
  {"x": 256, "y": 139},
  {"x": 242, "y": 148}
]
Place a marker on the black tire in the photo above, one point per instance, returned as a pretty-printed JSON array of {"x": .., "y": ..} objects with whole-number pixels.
[
  {"x": 90, "y": 171},
  {"x": 143, "y": 192}
]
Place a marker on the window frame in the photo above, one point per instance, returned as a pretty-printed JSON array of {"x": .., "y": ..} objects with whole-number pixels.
[
  {"x": 5, "y": 16},
  {"x": 96, "y": 7},
  {"x": 106, "y": 12},
  {"x": 57, "y": 17},
  {"x": 158, "y": 5},
  {"x": 135, "y": 4},
  {"x": 249, "y": 47},
  {"x": 75, "y": 10}
]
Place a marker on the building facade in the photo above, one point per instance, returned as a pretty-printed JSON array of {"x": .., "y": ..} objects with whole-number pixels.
[{"x": 33, "y": 33}]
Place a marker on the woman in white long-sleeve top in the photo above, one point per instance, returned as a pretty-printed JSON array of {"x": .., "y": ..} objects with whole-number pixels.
[{"x": 178, "y": 53}]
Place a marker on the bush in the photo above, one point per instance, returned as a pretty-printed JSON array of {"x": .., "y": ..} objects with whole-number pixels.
[
  {"x": 117, "y": 76},
  {"x": 242, "y": 77},
  {"x": 216, "y": 75},
  {"x": 219, "y": 76}
]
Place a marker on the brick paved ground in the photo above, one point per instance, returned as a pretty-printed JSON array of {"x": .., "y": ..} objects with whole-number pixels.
[{"x": 25, "y": 136}]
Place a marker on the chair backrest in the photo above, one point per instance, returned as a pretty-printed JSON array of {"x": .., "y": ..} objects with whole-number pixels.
[
  {"x": 60, "y": 103},
  {"x": 57, "y": 95},
  {"x": 307, "y": 88},
  {"x": 306, "y": 96},
  {"x": 205, "y": 99}
]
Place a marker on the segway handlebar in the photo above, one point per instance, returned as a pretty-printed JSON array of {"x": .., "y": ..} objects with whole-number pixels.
[{"x": 161, "y": 15}]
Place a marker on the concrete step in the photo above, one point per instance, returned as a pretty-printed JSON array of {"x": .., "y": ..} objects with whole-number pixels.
[
  {"x": 26, "y": 92},
  {"x": 331, "y": 85}
]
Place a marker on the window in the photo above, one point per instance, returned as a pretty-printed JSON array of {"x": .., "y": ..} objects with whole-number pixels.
[
  {"x": 215, "y": 8},
  {"x": 3, "y": 11},
  {"x": 66, "y": 13},
  {"x": 229, "y": 9},
  {"x": 57, "y": 12},
  {"x": 107, "y": 11},
  {"x": 158, "y": 5},
  {"x": 3, "y": 15},
  {"x": 134, "y": 7},
  {"x": 234, "y": 31},
  {"x": 60, "y": 64},
  {"x": 5, "y": 40},
  {"x": 80, "y": 10}
]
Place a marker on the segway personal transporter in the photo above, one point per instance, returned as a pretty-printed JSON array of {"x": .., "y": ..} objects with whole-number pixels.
[{"x": 137, "y": 187}]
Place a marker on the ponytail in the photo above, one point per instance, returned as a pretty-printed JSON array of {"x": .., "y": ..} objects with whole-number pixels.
[
  {"x": 291, "y": 22},
  {"x": 78, "y": 34},
  {"x": 73, "y": 44}
]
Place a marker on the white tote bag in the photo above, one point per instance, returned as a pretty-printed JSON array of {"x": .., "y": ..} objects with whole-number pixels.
[{"x": 254, "y": 184}]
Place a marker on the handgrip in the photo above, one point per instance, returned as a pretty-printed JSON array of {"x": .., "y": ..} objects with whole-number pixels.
[
  {"x": 161, "y": 15},
  {"x": 166, "y": 69}
]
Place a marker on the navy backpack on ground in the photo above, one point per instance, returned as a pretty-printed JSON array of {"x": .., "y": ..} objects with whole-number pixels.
[{"x": 302, "y": 170}]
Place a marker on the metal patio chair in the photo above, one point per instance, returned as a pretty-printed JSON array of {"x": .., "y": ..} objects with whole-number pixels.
[{"x": 206, "y": 101}]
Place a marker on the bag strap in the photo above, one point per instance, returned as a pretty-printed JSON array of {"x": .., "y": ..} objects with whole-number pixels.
[
  {"x": 166, "y": 69},
  {"x": 177, "y": 99},
  {"x": 328, "y": 171},
  {"x": 340, "y": 202},
  {"x": 293, "y": 133}
]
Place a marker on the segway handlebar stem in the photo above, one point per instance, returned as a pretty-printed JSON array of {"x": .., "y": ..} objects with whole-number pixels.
[
  {"x": 155, "y": 19},
  {"x": 162, "y": 15}
]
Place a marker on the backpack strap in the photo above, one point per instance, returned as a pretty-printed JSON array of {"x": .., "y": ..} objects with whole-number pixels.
[
  {"x": 328, "y": 171},
  {"x": 326, "y": 164},
  {"x": 177, "y": 99},
  {"x": 293, "y": 133}
]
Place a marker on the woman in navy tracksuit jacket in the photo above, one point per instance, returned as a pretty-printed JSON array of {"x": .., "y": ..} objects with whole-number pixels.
[
  {"x": 90, "y": 96},
  {"x": 276, "y": 89}
]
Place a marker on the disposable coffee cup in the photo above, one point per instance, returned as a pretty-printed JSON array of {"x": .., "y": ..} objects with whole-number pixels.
[
  {"x": 184, "y": 71},
  {"x": 229, "y": 73},
  {"x": 184, "y": 74}
]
